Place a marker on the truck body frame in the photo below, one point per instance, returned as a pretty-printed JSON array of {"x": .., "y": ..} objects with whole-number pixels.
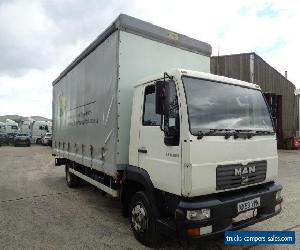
[{"x": 95, "y": 93}]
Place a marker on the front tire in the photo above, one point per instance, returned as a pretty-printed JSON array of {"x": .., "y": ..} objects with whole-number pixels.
[
  {"x": 71, "y": 179},
  {"x": 143, "y": 220}
]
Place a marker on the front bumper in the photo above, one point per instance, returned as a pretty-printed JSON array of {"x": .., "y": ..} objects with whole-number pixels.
[{"x": 223, "y": 208}]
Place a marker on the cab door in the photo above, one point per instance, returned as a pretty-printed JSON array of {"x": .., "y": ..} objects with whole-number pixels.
[{"x": 161, "y": 161}]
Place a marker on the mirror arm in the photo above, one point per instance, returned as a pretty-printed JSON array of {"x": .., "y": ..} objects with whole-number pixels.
[{"x": 166, "y": 75}]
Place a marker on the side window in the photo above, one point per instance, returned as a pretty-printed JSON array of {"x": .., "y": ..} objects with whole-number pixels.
[
  {"x": 174, "y": 109},
  {"x": 150, "y": 118}
]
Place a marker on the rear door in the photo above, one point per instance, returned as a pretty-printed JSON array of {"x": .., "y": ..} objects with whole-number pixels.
[{"x": 162, "y": 162}]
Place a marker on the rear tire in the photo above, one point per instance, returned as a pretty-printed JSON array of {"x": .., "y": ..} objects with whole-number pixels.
[
  {"x": 71, "y": 179},
  {"x": 143, "y": 220}
]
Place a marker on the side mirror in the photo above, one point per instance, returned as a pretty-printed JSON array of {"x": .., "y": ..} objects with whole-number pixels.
[
  {"x": 161, "y": 96},
  {"x": 162, "y": 107}
]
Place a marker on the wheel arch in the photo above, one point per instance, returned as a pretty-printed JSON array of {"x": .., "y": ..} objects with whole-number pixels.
[{"x": 135, "y": 179}]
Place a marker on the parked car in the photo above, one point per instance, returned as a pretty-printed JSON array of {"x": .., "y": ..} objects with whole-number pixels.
[
  {"x": 47, "y": 139},
  {"x": 22, "y": 139}
]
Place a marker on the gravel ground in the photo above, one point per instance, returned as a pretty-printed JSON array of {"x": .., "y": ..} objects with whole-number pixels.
[{"x": 38, "y": 211}]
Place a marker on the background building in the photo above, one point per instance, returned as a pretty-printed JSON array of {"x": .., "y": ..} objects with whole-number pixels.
[{"x": 278, "y": 90}]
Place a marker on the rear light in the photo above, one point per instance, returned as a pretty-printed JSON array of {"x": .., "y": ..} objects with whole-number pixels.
[
  {"x": 193, "y": 232},
  {"x": 206, "y": 230}
]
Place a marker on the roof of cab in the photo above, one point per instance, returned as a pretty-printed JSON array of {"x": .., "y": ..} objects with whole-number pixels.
[{"x": 197, "y": 74}]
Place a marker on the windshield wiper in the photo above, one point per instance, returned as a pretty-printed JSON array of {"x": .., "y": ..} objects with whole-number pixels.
[
  {"x": 243, "y": 133},
  {"x": 236, "y": 133},
  {"x": 211, "y": 131},
  {"x": 264, "y": 132}
]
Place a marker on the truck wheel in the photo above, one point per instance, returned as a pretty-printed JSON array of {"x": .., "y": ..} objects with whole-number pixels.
[
  {"x": 142, "y": 218},
  {"x": 71, "y": 179}
]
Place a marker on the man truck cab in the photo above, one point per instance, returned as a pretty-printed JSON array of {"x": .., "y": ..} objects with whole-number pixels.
[
  {"x": 25, "y": 127},
  {"x": 38, "y": 130},
  {"x": 204, "y": 127},
  {"x": 11, "y": 127},
  {"x": 207, "y": 145}
]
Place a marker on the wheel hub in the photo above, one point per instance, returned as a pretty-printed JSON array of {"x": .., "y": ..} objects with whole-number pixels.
[{"x": 139, "y": 218}]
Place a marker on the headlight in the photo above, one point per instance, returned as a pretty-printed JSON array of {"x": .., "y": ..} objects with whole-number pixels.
[
  {"x": 200, "y": 214},
  {"x": 278, "y": 195}
]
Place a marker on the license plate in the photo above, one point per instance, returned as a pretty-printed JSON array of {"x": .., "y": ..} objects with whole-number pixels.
[
  {"x": 245, "y": 215},
  {"x": 247, "y": 205}
]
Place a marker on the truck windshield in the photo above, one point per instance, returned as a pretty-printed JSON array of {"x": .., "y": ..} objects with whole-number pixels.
[{"x": 217, "y": 105}]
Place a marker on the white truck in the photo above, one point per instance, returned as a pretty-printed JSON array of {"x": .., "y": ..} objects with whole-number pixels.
[
  {"x": 189, "y": 154},
  {"x": 38, "y": 130},
  {"x": 2, "y": 127},
  {"x": 11, "y": 127},
  {"x": 25, "y": 127}
]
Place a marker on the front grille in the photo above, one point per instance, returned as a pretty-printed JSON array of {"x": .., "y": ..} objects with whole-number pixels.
[{"x": 236, "y": 175}]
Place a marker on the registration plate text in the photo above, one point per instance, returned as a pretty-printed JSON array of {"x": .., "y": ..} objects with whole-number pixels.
[{"x": 247, "y": 205}]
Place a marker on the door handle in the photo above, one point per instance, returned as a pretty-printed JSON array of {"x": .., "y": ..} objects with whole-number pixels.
[{"x": 143, "y": 150}]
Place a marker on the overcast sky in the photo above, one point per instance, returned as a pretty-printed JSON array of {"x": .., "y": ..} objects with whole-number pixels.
[{"x": 39, "y": 38}]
